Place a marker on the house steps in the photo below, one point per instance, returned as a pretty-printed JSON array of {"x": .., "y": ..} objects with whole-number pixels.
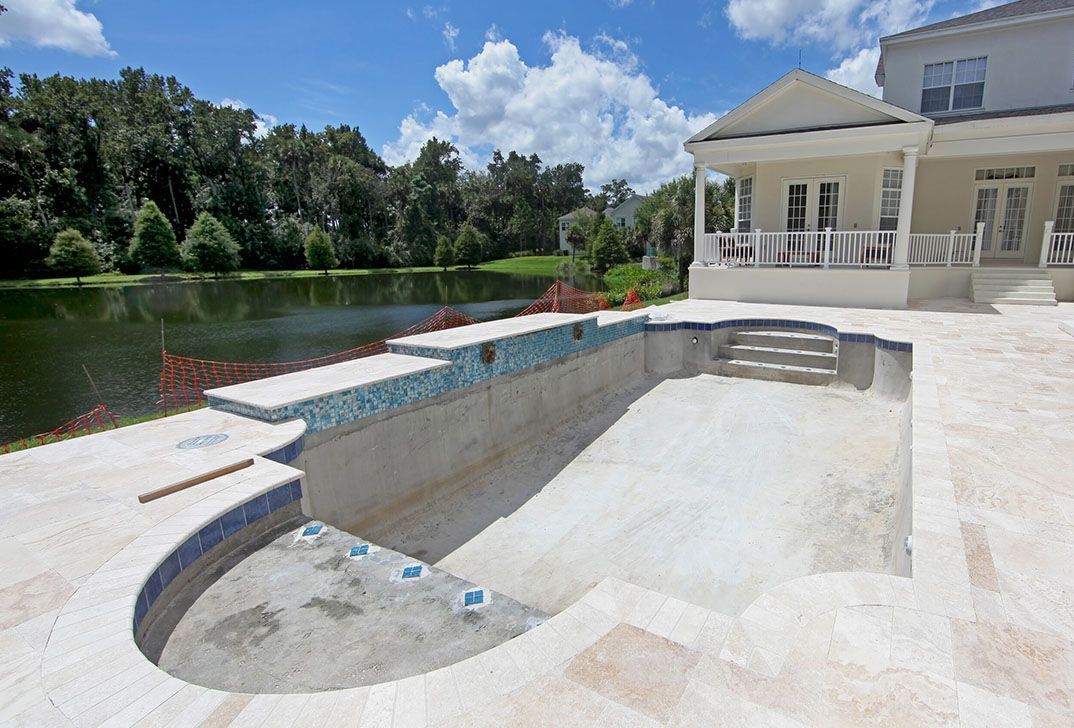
[
  {"x": 780, "y": 356},
  {"x": 1027, "y": 286}
]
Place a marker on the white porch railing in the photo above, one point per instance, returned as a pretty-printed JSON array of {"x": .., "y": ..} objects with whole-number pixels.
[
  {"x": 1056, "y": 248},
  {"x": 953, "y": 248},
  {"x": 826, "y": 248},
  {"x": 840, "y": 248}
]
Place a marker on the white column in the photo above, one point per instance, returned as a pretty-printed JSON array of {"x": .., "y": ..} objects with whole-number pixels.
[
  {"x": 1046, "y": 243},
  {"x": 901, "y": 254},
  {"x": 699, "y": 216}
]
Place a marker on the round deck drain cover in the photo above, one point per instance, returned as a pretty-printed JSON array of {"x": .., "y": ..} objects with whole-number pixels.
[{"x": 192, "y": 443}]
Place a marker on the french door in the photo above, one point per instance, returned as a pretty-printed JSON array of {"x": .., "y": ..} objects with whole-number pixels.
[
  {"x": 812, "y": 203},
  {"x": 809, "y": 205},
  {"x": 1004, "y": 209}
]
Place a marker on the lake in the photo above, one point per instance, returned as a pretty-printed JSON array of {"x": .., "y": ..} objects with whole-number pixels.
[{"x": 47, "y": 335}]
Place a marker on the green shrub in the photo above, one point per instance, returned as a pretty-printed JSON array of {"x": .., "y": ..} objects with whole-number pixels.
[
  {"x": 320, "y": 253},
  {"x": 209, "y": 247},
  {"x": 468, "y": 247},
  {"x": 153, "y": 244},
  {"x": 444, "y": 256},
  {"x": 73, "y": 255},
  {"x": 648, "y": 284}
]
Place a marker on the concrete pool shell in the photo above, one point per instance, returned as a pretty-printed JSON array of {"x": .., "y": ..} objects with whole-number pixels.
[
  {"x": 767, "y": 640},
  {"x": 743, "y": 493}
]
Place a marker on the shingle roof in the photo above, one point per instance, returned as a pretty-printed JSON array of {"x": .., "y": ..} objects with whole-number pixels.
[
  {"x": 1000, "y": 12},
  {"x": 1006, "y": 113}
]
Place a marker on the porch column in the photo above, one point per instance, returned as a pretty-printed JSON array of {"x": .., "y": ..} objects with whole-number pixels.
[
  {"x": 699, "y": 216},
  {"x": 901, "y": 255}
]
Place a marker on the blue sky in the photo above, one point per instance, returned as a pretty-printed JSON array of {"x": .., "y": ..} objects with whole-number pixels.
[{"x": 615, "y": 84}]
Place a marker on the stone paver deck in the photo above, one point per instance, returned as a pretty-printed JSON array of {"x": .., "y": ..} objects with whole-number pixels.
[{"x": 981, "y": 635}]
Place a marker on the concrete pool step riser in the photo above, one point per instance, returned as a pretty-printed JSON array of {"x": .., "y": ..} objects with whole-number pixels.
[
  {"x": 786, "y": 340},
  {"x": 773, "y": 355},
  {"x": 775, "y": 372}
]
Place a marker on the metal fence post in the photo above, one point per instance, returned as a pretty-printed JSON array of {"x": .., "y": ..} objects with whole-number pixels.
[
  {"x": 827, "y": 246},
  {"x": 951, "y": 247},
  {"x": 978, "y": 240},
  {"x": 1046, "y": 243}
]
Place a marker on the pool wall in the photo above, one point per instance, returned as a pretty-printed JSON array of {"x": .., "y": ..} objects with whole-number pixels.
[{"x": 380, "y": 466}]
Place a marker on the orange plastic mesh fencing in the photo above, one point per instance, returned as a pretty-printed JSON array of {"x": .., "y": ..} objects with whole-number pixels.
[
  {"x": 97, "y": 419},
  {"x": 183, "y": 380},
  {"x": 632, "y": 301},
  {"x": 562, "y": 298}
]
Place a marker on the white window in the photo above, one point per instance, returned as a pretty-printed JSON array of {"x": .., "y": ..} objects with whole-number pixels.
[
  {"x": 1064, "y": 205},
  {"x": 622, "y": 222},
  {"x": 564, "y": 225},
  {"x": 744, "y": 205},
  {"x": 890, "y": 194},
  {"x": 1005, "y": 173},
  {"x": 953, "y": 85}
]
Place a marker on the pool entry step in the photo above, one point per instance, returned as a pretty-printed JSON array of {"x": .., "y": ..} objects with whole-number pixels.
[{"x": 780, "y": 356}]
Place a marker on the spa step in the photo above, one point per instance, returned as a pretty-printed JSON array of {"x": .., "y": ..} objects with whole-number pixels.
[
  {"x": 775, "y": 372},
  {"x": 786, "y": 340},
  {"x": 777, "y": 355}
]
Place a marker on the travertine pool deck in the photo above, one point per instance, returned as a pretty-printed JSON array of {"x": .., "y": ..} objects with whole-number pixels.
[{"x": 980, "y": 636}]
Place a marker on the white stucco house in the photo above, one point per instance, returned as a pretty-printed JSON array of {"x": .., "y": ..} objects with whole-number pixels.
[
  {"x": 622, "y": 215},
  {"x": 959, "y": 182}
]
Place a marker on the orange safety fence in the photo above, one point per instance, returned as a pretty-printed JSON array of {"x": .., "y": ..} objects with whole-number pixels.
[
  {"x": 184, "y": 379},
  {"x": 96, "y": 420}
]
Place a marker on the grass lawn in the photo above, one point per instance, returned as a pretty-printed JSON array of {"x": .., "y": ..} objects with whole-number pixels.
[
  {"x": 543, "y": 265},
  {"x": 534, "y": 265}
]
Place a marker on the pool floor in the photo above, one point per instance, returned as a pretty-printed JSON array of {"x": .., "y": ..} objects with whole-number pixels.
[{"x": 706, "y": 488}]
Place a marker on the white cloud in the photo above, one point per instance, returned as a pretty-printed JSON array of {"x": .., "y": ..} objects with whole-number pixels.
[
  {"x": 851, "y": 29},
  {"x": 579, "y": 107},
  {"x": 450, "y": 33},
  {"x": 839, "y": 24},
  {"x": 493, "y": 33},
  {"x": 857, "y": 71},
  {"x": 262, "y": 122},
  {"x": 986, "y": 4},
  {"x": 53, "y": 24}
]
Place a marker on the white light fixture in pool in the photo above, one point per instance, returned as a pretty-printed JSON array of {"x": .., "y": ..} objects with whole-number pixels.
[
  {"x": 908, "y": 544},
  {"x": 694, "y": 340}
]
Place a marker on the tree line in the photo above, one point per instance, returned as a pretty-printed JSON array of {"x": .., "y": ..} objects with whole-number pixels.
[{"x": 97, "y": 160}]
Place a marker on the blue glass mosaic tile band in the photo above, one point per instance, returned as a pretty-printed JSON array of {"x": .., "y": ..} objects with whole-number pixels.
[
  {"x": 209, "y": 536},
  {"x": 783, "y": 324},
  {"x": 513, "y": 354}
]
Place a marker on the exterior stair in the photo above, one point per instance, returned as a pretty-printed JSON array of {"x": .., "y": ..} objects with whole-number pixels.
[
  {"x": 1029, "y": 286},
  {"x": 781, "y": 356}
]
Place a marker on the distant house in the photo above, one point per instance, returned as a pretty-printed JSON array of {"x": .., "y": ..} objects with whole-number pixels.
[{"x": 622, "y": 215}]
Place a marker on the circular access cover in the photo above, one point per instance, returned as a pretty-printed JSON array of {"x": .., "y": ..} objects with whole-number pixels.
[{"x": 192, "y": 443}]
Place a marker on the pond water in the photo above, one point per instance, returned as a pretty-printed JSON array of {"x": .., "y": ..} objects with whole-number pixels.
[{"x": 47, "y": 335}]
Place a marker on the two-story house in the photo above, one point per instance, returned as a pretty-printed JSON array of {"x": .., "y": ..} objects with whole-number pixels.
[
  {"x": 959, "y": 182},
  {"x": 622, "y": 215}
]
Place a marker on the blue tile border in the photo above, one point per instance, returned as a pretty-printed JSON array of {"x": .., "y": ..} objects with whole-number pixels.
[
  {"x": 211, "y": 534},
  {"x": 513, "y": 354},
  {"x": 288, "y": 453},
  {"x": 783, "y": 324}
]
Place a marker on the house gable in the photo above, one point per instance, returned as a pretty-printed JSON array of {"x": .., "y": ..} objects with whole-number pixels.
[{"x": 799, "y": 102}]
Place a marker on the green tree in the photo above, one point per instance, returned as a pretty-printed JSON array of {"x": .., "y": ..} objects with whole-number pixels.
[
  {"x": 153, "y": 244},
  {"x": 468, "y": 247},
  {"x": 608, "y": 248},
  {"x": 73, "y": 255},
  {"x": 445, "y": 253},
  {"x": 616, "y": 192},
  {"x": 209, "y": 247},
  {"x": 320, "y": 253}
]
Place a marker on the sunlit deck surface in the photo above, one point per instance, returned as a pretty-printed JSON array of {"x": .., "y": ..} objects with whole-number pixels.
[{"x": 981, "y": 635}]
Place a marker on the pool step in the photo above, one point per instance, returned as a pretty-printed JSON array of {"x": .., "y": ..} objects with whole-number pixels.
[
  {"x": 780, "y": 356},
  {"x": 786, "y": 340},
  {"x": 774, "y": 355},
  {"x": 776, "y": 372}
]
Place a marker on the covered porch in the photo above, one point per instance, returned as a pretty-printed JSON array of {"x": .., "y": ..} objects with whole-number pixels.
[{"x": 830, "y": 179}]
